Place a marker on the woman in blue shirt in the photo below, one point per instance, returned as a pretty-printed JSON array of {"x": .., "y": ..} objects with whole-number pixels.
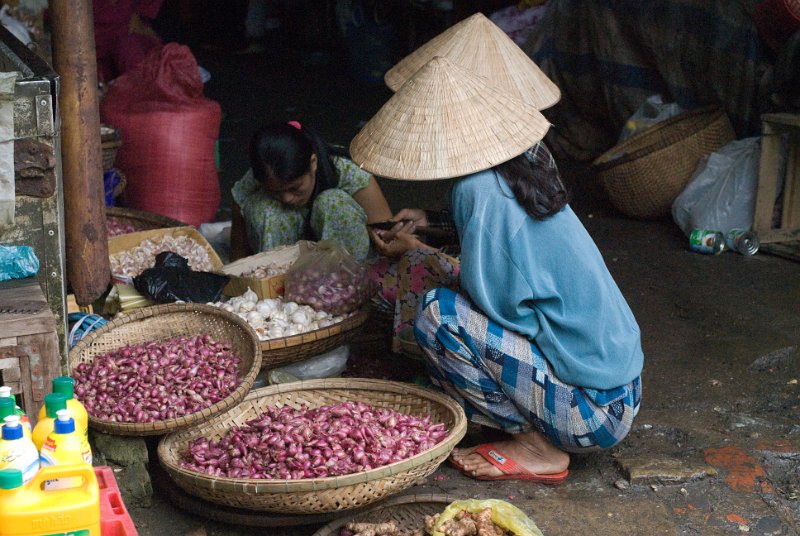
[{"x": 538, "y": 341}]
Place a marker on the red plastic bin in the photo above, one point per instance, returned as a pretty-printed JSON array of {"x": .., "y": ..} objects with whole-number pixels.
[{"x": 114, "y": 517}]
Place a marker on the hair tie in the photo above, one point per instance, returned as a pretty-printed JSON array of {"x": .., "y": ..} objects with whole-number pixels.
[{"x": 295, "y": 124}]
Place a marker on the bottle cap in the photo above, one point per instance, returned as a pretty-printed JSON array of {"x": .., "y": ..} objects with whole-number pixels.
[
  {"x": 54, "y": 402},
  {"x": 64, "y": 423},
  {"x": 7, "y": 407},
  {"x": 64, "y": 385},
  {"x": 5, "y": 391},
  {"x": 10, "y": 478},
  {"x": 11, "y": 429}
]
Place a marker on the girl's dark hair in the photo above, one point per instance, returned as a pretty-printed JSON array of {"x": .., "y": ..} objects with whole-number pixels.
[
  {"x": 283, "y": 152},
  {"x": 537, "y": 188}
]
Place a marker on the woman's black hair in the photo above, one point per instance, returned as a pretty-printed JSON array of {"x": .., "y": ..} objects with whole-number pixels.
[
  {"x": 538, "y": 188},
  {"x": 282, "y": 151}
]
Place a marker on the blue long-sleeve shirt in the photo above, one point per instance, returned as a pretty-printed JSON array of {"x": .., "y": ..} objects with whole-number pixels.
[{"x": 547, "y": 280}]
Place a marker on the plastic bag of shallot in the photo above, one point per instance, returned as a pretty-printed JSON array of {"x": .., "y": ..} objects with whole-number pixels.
[{"x": 328, "y": 279}]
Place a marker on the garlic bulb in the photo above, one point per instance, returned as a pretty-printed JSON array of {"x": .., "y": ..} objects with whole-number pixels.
[
  {"x": 275, "y": 332},
  {"x": 254, "y": 316},
  {"x": 290, "y": 307},
  {"x": 247, "y": 306},
  {"x": 266, "y": 306},
  {"x": 250, "y": 296},
  {"x": 300, "y": 317}
]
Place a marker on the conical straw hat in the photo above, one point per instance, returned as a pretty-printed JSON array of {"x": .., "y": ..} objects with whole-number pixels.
[
  {"x": 446, "y": 122},
  {"x": 478, "y": 44}
]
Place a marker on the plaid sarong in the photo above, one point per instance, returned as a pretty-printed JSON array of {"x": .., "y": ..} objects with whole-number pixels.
[{"x": 502, "y": 380}]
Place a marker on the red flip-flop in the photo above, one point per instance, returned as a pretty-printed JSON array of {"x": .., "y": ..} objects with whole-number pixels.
[{"x": 511, "y": 469}]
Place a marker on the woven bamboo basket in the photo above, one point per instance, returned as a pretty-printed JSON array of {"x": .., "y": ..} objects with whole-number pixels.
[
  {"x": 141, "y": 220},
  {"x": 285, "y": 350},
  {"x": 161, "y": 322},
  {"x": 407, "y": 511},
  {"x": 316, "y": 495},
  {"x": 110, "y": 143},
  {"x": 644, "y": 174}
]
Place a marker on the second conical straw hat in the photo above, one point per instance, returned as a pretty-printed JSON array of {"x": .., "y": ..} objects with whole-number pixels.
[
  {"x": 446, "y": 122},
  {"x": 481, "y": 46}
]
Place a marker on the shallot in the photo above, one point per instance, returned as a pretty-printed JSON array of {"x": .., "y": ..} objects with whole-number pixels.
[
  {"x": 338, "y": 439},
  {"x": 338, "y": 292},
  {"x": 157, "y": 380},
  {"x": 116, "y": 227}
]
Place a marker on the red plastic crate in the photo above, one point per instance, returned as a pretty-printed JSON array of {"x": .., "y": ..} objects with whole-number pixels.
[{"x": 114, "y": 517}]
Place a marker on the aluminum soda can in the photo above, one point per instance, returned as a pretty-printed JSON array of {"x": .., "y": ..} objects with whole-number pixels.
[
  {"x": 742, "y": 241},
  {"x": 707, "y": 241}
]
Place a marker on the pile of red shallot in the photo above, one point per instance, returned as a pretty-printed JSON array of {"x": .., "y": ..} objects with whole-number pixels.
[
  {"x": 157, "y": 380},
  {"x": 287, "y": 443},
  {"x": 115, "y": 227},
  {"x": 336, "y": 292}
]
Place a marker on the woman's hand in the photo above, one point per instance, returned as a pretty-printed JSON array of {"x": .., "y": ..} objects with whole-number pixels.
[
  {"x": 408, "y": 219},
  {"x": 397, "y": 245}
]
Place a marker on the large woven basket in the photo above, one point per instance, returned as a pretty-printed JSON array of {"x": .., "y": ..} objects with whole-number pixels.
[
  {"x": 161, "y": 322},
  {"x": 285, "y": 350},
  {"x": 407, "y": 511},
  {"x": 318, "y": 494},
  {"x": 644, "y": 174},
  {"x": 141, "y": 220}
]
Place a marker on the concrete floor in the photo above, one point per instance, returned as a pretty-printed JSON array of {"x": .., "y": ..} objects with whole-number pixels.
[{"x": 716, "y": 446}]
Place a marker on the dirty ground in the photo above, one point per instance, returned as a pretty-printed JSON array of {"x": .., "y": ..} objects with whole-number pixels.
[{"x": 716, "y": 447}]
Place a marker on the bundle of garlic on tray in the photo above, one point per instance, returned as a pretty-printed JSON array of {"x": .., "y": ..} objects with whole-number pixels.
[{"x": 274, "y": 318}]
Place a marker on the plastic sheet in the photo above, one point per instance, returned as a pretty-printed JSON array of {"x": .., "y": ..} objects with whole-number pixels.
[{"x": 17, "y": 262}]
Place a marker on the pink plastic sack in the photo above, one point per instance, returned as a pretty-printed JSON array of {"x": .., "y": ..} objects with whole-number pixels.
[{"x": 169, "y": 132}]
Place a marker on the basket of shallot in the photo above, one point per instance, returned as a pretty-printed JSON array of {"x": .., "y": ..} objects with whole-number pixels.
[
  {"x": 316, "y": 446},
  {"x": 122, "y": 220},
  {"x": 163, "y": 368}
]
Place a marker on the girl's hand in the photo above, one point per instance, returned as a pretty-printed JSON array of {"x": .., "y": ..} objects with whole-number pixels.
[{"x": 397, "y": 245}]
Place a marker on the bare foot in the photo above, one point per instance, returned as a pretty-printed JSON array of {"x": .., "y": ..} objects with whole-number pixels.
[{"x": 531, "y": 451}]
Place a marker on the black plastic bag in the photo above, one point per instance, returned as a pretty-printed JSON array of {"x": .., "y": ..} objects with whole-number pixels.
[{"x": 171, "y": 280}]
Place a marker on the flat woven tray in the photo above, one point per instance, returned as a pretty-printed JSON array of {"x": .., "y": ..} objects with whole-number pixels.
[
  {"x": 407, "y": 511},
  {"x": 285, "y": 350},
  {"x": 161, "y": 322},
  {"x": 317, "y": 495}
]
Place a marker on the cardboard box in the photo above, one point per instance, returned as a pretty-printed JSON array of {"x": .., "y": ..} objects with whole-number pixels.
[
  {"x": 118, "y": 244},
  {"x": 267, "y": 287}
]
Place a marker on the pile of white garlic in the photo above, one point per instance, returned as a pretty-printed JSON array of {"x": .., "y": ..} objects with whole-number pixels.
[
  {"x": 274, "y": 318},
  {"x": 136, "y": 260},
  {"x": 267, "y": 270}
]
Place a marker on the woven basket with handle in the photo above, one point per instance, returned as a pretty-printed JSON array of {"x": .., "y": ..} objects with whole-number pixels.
[
  {"x": 644, "y": 174},
  {"x": 162, "y": 322},
  {"x": 314, "y": 495}
]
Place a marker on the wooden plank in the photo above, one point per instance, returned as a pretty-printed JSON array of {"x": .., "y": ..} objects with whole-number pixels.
[
  {"x": 790, "y": 212},
  {"x": 767, "y": 179},
  {"x": 24, "y": 295},
  {"x": 791, "y": 120},
  {"x": 779, "y": 235},
  {"x": 787, "y": 250}
]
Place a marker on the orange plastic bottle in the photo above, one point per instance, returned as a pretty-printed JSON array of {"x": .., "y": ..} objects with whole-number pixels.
[
  {"x": 29, "y": 510},
  {"x": 52, "y": 403}
]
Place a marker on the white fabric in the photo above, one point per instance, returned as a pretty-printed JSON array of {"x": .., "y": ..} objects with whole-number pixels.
[{"x": 7, "y": 196}]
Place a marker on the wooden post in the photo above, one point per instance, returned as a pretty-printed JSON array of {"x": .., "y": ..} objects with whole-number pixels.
[{"x": 74, "y": 59}]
